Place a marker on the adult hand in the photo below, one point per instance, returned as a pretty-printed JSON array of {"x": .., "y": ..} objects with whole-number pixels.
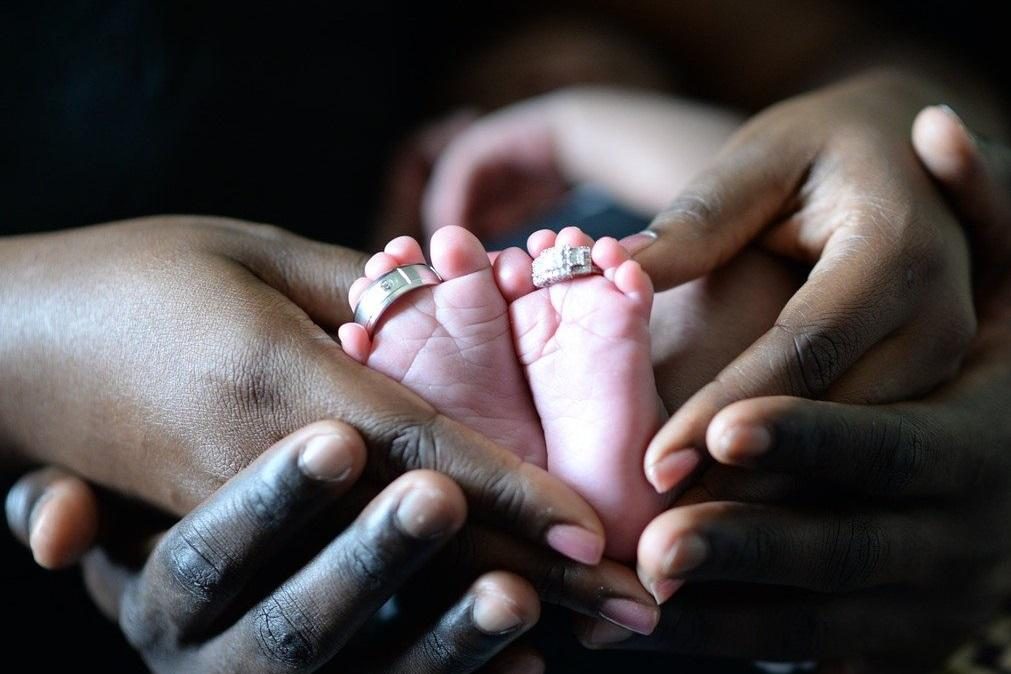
[
  {"x": 267, "y": 575},
  {"x": 910, "y": 552},
  {"x": 152, "y": 356},
  {"x": 829, "y": 179}
]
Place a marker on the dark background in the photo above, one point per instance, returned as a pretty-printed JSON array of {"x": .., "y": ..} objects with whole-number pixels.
[{"x": 284, "y": 113}]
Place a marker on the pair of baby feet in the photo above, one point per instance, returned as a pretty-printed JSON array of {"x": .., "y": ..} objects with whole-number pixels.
[{"x": 561, "y": 375}]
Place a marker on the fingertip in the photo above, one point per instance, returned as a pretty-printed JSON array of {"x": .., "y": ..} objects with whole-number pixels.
[
  {"x": 944, "y": 144},
  {"x": 736, "y": 437},
  {"x": 431, "y": 505},
  {"x": 666, "y": 469},
  {"x": 64, "y": 524},
  {"x": 504, "y": 603}
]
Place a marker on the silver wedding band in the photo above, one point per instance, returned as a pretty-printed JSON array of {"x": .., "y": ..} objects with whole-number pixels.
[
  {"x": 388, "y": 288},
  {"x": 562, "y": 263}
]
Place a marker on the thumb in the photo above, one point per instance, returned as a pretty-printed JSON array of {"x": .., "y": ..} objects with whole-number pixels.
[{"x": 719, "y": 213}]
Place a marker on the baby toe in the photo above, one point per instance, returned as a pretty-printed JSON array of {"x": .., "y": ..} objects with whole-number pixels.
[
  {"x": 356, "y": 290},
  {"x": 630, "y": 279},
  {"x": 608, "y": 253},
  {"x": 379, "y": 264},
  {"x": 513, "y": 274},
  {"x": 355, "y": 341},
  {"x": 540, "y": 241},
  {"x": 573, "y": 236},
  {"x": 456, "y": 252},
  {"x": 406, "y": 250}
]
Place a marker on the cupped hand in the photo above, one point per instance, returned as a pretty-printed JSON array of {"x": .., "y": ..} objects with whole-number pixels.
[
  {"x": 279, "y": 571},
  {"x": 829, "y": 179},
  {"x": 153, "y": 357},
  {"x": 905, "y": 550}
]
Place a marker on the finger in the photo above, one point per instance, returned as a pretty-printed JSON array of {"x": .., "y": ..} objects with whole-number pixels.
[
  {"x": 608, "y": 590},
  {"x": 721, "y": 211},
  {"x": 208, "y": 558},
  {"x": 836, "y": 316},
  {"x": 896, "y": 452},
  {"x": 403, "y": 433},
  {"x": 746, "y": 543},
  {"x": 497, "y": 609},
  {"x": 313, "y": 614},
  {"x": 781, "y": 625},
  {"x": 975, "y": 174},
  {"x": 55, "y": 514}
]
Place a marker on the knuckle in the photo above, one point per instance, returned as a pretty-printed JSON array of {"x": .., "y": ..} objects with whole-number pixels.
[
  {"x": 265, "y": 502},
  {"x": 370, "y": 563},
  {"x": 194, "y": 560},
  {"x": 855, "y": 550},
  {"x": 819, "y": 354},
  {"x": 414, "y": 445},
  {"x": 284, "y": 633},
  {"x": 694, "y": 211}
]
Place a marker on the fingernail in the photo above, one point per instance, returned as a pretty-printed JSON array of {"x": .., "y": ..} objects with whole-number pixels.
[
  {"x": 639, "y": 242},
  {"x": 662, "y": 590},
  {"x": 687, "y": 553},
  {"x": 494, "y": 614},
  {"x": 744, "y": 442},
  {"x": 325, "y": 458},
  {"x": 576, "y": 543},
  {"x": 39, "y": 525},
  {"x": 631, "y": 615},
  {"x": 422, "y": 513},
  {"x": 671, "y": 469},
  {"x": 604, "y": 633}
]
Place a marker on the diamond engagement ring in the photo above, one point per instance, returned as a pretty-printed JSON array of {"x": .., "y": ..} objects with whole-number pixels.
[
  {"x": 388, "y": 288},
  {"x": 562, "y": 263}
]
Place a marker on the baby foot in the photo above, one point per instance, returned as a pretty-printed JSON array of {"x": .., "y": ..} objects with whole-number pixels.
[
  {"x": 585, "y": 345},
  {"x": 451, "y": 343}
]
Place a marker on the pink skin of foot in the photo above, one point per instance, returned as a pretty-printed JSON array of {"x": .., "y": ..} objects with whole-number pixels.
[
  {"x": 584, "y": 355},
  {"x": 451, "y": 343},
  {"x": 585, "y": 345}
]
